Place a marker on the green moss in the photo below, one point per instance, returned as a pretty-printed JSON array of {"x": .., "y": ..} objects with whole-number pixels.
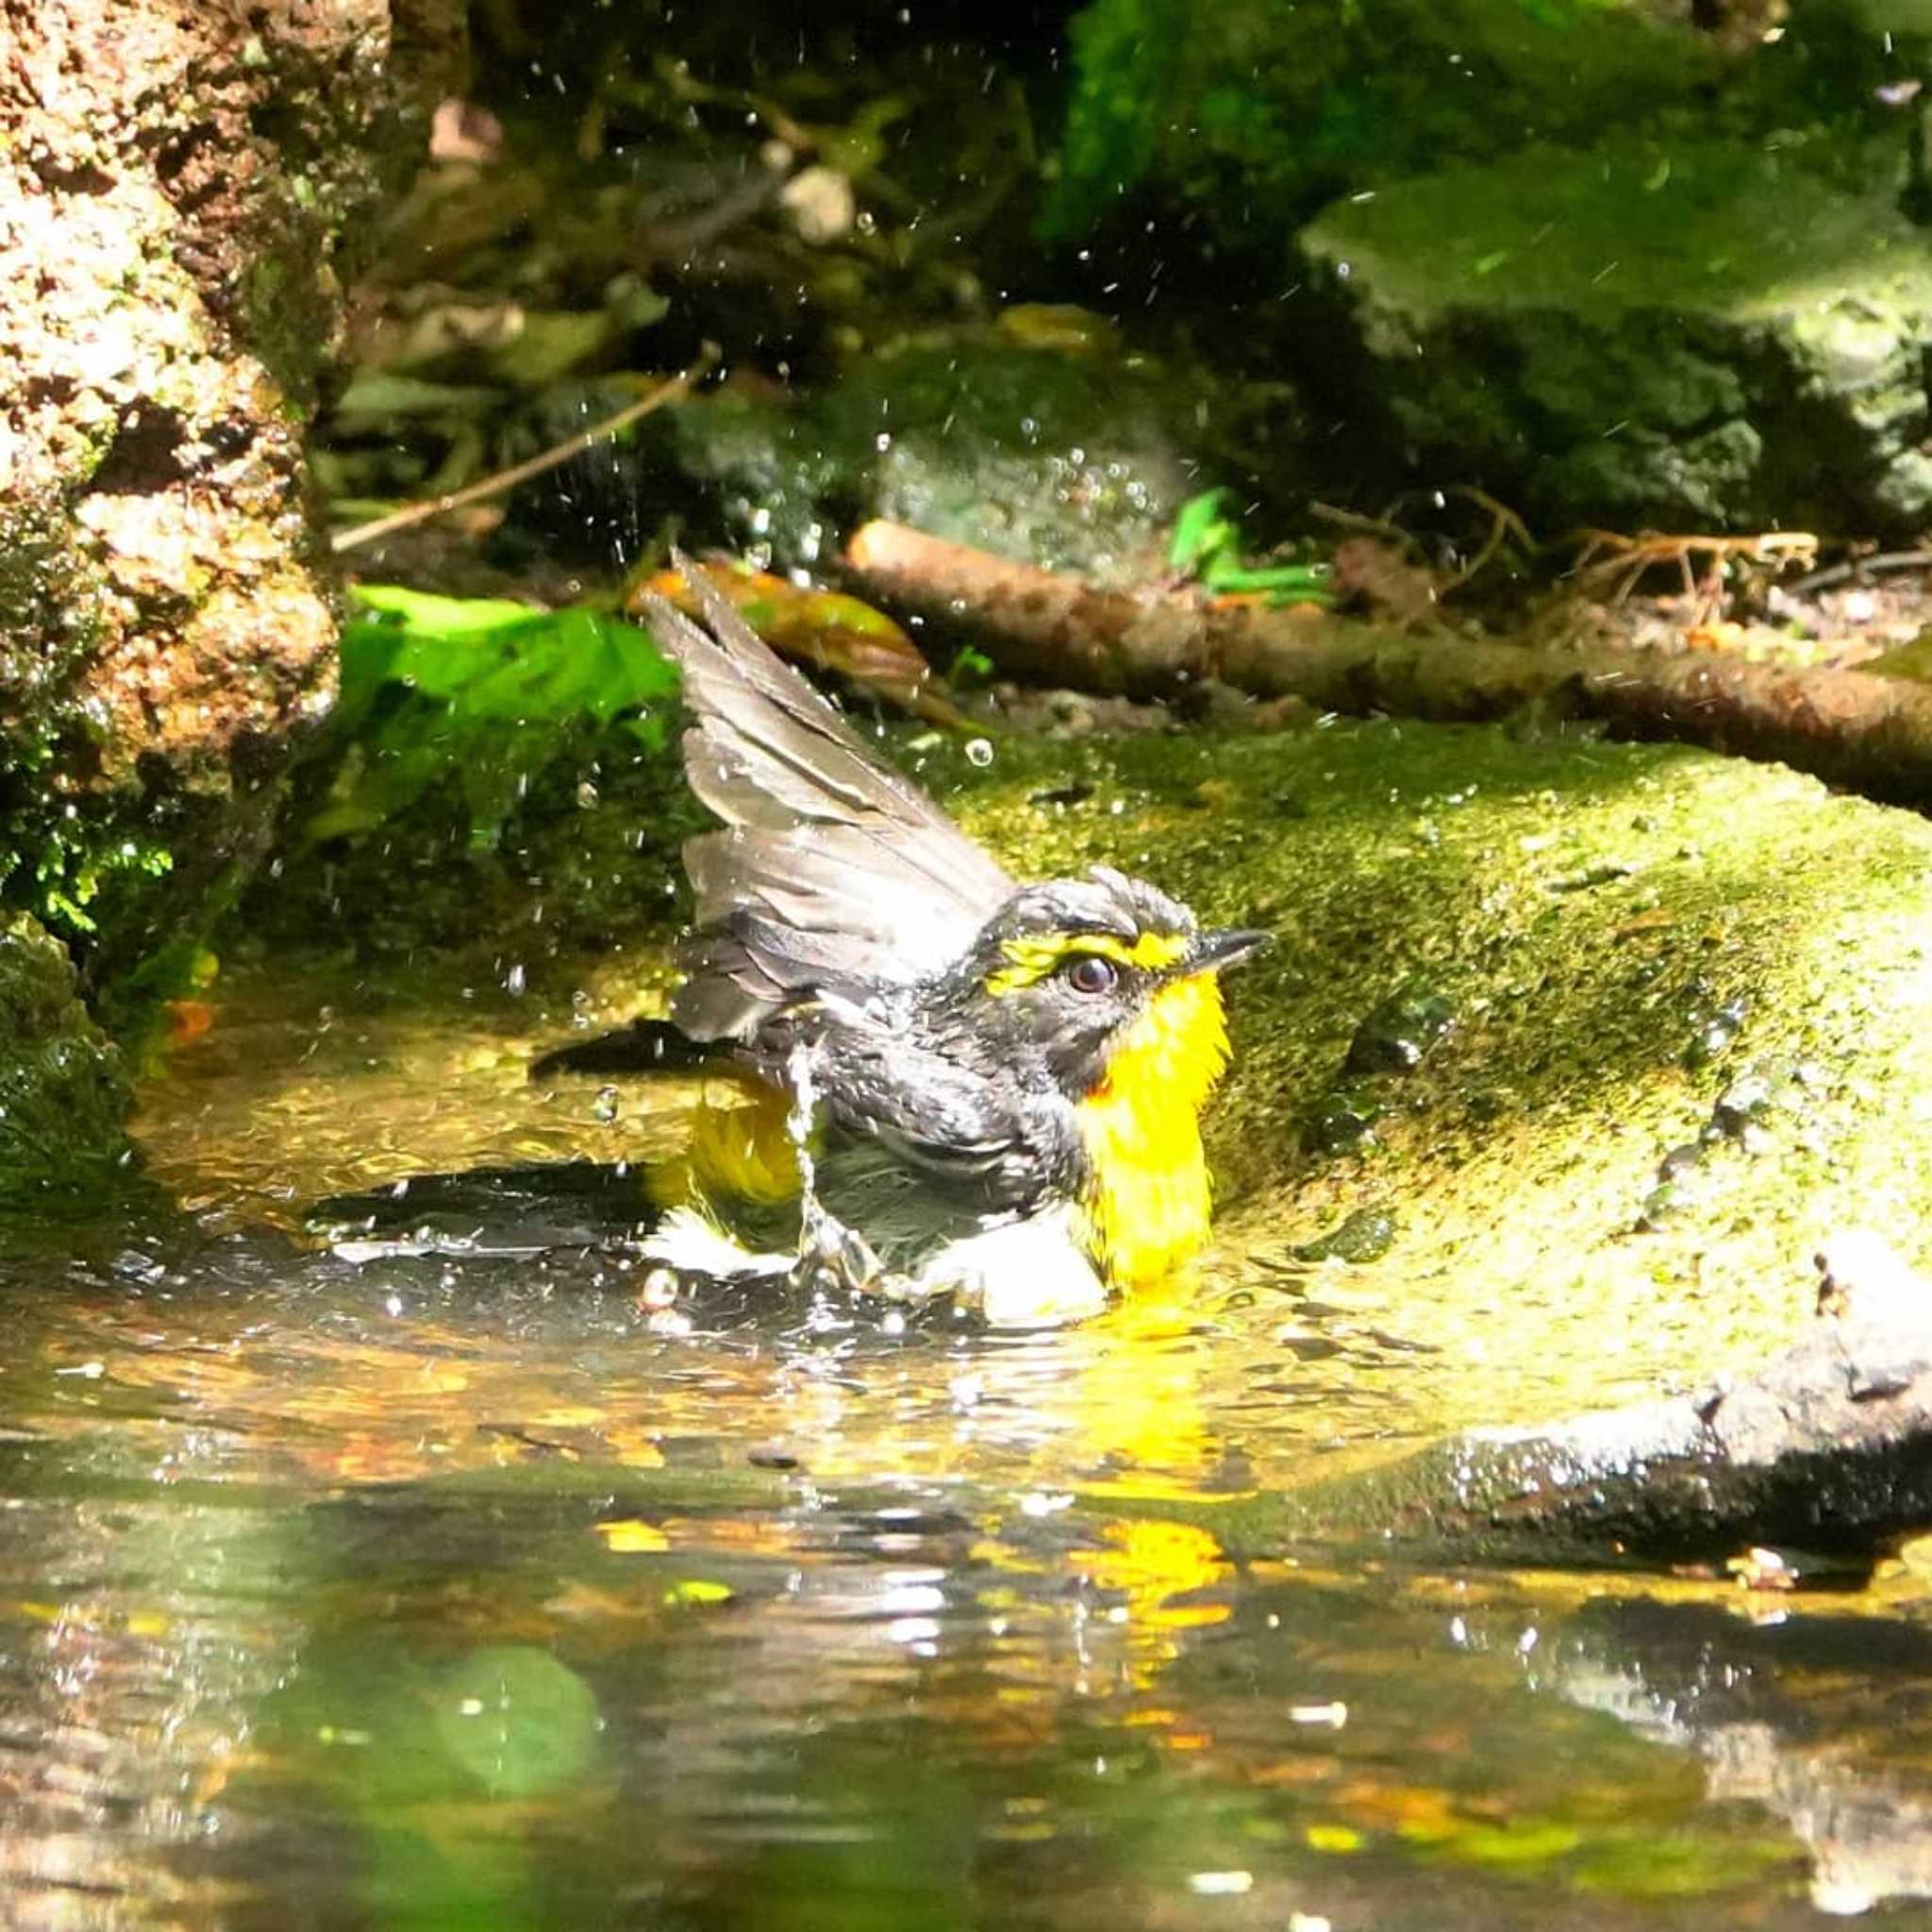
[
  {"x": 289, "y": 308},
  {"x": 61, "y": 849},
  {"x": 1621, "y": 933},
  {"x": 62, "y": 1098},
  {"x": 1123, "y": 55},
  {"x": 1258, "y": 117},
  {"x": 1667, "y": 330},
  {"x": 1661, "y": 225},
  {"x": 585, "y": 858}
]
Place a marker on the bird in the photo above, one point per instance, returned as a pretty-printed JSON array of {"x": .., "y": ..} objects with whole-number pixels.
[{"x": 921, "y": 1076}]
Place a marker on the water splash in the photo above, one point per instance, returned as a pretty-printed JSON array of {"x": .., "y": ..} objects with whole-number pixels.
[
  {"x": 818, "y": 1235},
  {"x": 830, "y": 1254}
]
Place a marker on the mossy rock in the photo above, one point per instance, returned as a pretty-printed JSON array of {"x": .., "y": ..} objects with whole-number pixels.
[
  {"x": 62, "y": 1095},
  {"x": 1567, "y": 1057},
  {"x": 1250, "y": 117},
  {"x": 1073, "y": 461},
  {"x": 1664, "y": 332},
  {"x": 585, "y": 856},
  {"x": 1670, "y": 1037}
]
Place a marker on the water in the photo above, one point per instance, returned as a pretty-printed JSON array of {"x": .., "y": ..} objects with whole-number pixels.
[{"x": 465, "y": 1592}]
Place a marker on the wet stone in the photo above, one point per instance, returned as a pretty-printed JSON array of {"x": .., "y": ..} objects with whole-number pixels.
[
  {"x": 1397, "y": 1033},
  {"x": 1748, "y": 1102},
  {"x": 1340, "y": 1122},
  {"x": 1712, "y": 1034},
  {"x": 1366, "y": 1234},
  {"x": 1680, "y": 1161},
  {"x": 1606, "y": 871}
]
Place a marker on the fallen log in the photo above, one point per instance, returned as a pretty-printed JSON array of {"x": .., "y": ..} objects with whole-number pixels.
[{"x": 1871, "y": 734}]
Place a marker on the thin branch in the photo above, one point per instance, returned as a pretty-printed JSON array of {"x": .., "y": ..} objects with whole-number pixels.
[
  {"x": 1858, "y": 567},
  {"x": 413, "y": 513},
  {"x": 1354, "y": 520},
  {"x": 1504, "y": 523}
]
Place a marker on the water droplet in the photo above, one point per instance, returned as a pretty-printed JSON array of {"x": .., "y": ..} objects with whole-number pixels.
[{"x": 979, "y": 752}]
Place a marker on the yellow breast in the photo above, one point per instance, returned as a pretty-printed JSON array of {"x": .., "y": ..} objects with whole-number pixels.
[{"x": 1150, "y": 1198}]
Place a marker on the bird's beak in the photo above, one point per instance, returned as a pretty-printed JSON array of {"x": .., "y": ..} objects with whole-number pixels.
[{"x": 1215, "y": 951}]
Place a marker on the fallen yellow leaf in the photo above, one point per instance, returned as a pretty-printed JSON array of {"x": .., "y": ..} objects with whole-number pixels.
[
  {"x": 630, "y": 1538},
  {"x": 698, "y": 1590},
  {"x": 1333, "y": 1838}
]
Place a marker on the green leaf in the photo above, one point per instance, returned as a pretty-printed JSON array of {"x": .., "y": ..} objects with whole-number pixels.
[
  {"x": 1201, "y": 533},
  {"x": 1286, "y": 583},
  {"x": 1207, "y": 544},
  {"x": 474, "y": 693},
  {"x": 421, "y": 613}
]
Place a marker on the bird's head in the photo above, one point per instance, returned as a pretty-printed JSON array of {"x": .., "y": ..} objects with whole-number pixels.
[{"x": 1102, "y": 981}]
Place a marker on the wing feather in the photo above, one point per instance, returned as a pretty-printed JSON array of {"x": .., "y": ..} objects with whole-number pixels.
[{"x": 833, "y": 871}]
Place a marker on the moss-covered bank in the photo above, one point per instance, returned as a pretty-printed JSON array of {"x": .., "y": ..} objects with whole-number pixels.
[
  {"x": 63, "y": 1093},
  {"x": 1661, "y": 1013},
  {"x": 1673, "y": 330}
]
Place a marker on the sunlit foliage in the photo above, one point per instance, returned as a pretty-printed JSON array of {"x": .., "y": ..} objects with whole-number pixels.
[{"x": 440, "y": 690}]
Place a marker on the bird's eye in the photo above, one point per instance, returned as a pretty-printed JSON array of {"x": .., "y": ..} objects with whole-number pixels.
[{"x": 1090, "y": 975}]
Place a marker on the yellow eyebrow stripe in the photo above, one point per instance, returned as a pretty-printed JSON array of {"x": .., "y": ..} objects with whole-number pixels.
[{"x": 1034, "y": 959}]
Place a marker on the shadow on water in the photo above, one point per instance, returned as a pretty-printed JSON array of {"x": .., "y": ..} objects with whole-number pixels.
[{"x": 467, "y": 1591}]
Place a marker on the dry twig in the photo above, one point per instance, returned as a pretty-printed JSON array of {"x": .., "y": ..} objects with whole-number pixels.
[
  {"x": 1504, "y": 524},
  {"x": 412, "y": 513},
  {"x": 1609, "y": 564}
]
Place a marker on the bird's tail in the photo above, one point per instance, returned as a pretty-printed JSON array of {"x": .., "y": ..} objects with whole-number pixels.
[{"x": 646, "y": 1047}]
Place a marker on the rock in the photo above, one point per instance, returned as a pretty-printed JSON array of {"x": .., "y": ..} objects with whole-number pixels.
[
  {"x": 63, "y": 1093},
  {"x": 175, "y": 191},
  {"x": 1517, "y": 1158},
  {"x": 1070, "y": 460},
  {"x": 1072, "y": 456},
  {"x": 1497, "y": 1258},
  {"x": 1664, "y": 333},
  {"x": 1247, "y": 128}
]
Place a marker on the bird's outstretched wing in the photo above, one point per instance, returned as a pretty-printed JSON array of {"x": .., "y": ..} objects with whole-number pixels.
[{"x": 833, "y": 872}]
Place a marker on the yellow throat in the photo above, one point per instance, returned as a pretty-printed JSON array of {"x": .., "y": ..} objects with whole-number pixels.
[{"x": 1148, "y": 1208}]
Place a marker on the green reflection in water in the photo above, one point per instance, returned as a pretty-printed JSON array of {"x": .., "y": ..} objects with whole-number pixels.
[{"x": 447, "y": 1771}]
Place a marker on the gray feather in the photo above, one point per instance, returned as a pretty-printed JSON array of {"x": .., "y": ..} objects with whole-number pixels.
[{"x": 833, "y": 870}]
